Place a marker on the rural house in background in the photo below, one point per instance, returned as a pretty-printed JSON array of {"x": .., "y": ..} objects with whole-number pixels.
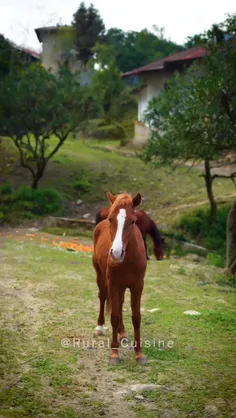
[
  {"x": 154, "y": 77},
  {"x": 57, "y": 50}
]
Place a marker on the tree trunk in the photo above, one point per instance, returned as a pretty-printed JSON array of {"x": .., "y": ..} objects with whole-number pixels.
[
  {"x": 37, "y": 176},
  {"x": 209, "y": 181},
  {"x": 34, "y": 184},
  {"x": 231, "y": 241}
]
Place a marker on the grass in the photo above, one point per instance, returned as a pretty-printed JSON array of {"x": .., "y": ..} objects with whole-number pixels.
[
  {"x": 49, "y": 295},
  {"x": 81, "y": 172}
]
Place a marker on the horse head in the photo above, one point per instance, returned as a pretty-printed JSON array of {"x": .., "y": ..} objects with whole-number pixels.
[
  {"x": 158, "y": 249},
  {"x": 122, "y": 220}
]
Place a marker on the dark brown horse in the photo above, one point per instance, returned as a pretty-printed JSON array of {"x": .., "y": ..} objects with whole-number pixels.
[
  {"x": 147, "y": 227},
  {"x": 119, "y": 260}
]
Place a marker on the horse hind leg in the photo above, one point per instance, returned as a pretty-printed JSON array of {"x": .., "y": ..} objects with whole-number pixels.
[{"x": 136, "y": 320}]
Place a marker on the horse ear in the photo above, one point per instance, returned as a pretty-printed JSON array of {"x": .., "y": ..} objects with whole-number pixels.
[
  {"x": 137, "y": 200},
  {"x": 111, "y": 197}
]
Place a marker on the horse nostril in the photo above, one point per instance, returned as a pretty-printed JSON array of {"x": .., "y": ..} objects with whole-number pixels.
[{"x": 122, "y": 253}]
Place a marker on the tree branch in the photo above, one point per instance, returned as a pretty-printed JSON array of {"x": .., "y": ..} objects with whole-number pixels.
[{"x": 22, "y": 160}]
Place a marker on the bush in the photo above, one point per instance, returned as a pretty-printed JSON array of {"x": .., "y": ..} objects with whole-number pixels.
[
  {"x": 28, "y": 203},
  {"x": 197, "y": 226},
  {"x": 6, "y": 189},
  {"x": 83, "y": 185},
  {"x": 114, "y": 131}
]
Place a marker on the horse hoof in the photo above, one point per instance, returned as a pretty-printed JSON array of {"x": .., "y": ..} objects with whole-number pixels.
[
  {"x": 114, "y": 361},
  {"x": 141, "y": 360},
  {"x": 99, "y": 333}
]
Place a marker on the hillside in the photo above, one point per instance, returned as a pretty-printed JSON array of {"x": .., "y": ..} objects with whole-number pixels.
[{"x": 81, "y": 172}]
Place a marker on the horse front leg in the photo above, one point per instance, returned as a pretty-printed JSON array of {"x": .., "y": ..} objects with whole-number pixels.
[
  {"x": 102, "y": 298},
  {"x": 121, "y": 328},
  {"x": 136, "y": 293}
]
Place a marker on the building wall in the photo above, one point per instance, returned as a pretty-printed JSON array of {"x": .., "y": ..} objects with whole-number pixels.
[
  {"x": 153, "y": 85},
  {"x": 53, "y": 45}
]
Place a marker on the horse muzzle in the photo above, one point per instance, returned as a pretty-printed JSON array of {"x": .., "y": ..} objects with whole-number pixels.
[{"x": 117, "y": 255}]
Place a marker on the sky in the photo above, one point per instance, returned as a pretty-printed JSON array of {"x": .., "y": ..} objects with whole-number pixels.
[{"x": 180, "y": 18}]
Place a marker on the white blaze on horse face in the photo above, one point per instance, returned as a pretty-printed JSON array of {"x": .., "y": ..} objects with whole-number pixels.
[{"x": 117, "y": 246}]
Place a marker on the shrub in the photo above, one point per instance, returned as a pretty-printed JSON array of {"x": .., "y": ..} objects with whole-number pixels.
[
  {"x": 6, "y": 189},
  {"x": 114, "y": 131},
  {"x": 83, "y": 185},
  {"x": 28, "y": 203},
  {"x": 197, "y": 226}
]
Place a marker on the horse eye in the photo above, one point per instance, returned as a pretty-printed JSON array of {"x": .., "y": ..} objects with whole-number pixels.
[{"x": 109, "y": 219}]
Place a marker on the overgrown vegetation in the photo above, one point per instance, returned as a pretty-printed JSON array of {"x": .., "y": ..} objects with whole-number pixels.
[
  {"x": 27, "y": 203},
  {"x": 197, "y": 226}
]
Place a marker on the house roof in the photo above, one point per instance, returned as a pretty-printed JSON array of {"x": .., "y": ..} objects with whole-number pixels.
[
  {"x": 188, "y": 54},
  {"x": 28, "y": 51},
  {"x": 42, "y": 30}
]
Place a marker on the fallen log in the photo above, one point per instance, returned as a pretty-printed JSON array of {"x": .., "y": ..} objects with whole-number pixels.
[{"x": 69, "y": 222}]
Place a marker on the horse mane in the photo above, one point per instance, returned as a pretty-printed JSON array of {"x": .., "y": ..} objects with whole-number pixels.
[
  {"x": 155, "y": 233},
  {"x": 98, "y": 218},
  {"x": 123, "y": 199}
]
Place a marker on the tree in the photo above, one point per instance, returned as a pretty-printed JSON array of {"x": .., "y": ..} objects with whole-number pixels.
[
  {"x": 88, "y": 30},
  {"x": 39, "y": 110},
  {"x": 115, "y": 97},
  {"x": 135, "y": 49},
  {"x": 9, "y": 57},
  {"x": 195, "y": 118},
  {"x": 231, "y": 241}
]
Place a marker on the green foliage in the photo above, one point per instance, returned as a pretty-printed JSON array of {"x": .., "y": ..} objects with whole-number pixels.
[
  {"x": 28, "y": 203},
  {"x": 195, "y": 117},
  {"x": 10, "y": 60},
  {"x": 83, "y": 185},
  {"x": 197, "y": 226},
  {"x": 114, "y": 131},
  {"x": 216, "y": 260},
  {"x": 135, "y": 49},
  {"x": 88, "y": 30},
  {"x": 115, "y": 97},
  {"x": 36, "y": 105}
]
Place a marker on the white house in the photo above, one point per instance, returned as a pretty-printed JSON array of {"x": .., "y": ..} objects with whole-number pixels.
[{"x": 153, "y": 77}]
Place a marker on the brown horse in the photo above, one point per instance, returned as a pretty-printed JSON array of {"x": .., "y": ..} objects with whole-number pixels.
[
  {"x": 147, "y": 227},
  {"x": 119, "y": 260}
]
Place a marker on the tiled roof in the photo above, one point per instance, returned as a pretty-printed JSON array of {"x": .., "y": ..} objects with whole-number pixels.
[{"x": 188, "y": 54}]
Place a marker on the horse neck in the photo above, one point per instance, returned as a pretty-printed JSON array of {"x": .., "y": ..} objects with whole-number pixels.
[{"x": 154, "y": 233}]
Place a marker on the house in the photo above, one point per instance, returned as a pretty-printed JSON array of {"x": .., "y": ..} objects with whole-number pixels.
[
  {"x": 154, "y": 77},
  {"x": 57, "y": 50}
]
